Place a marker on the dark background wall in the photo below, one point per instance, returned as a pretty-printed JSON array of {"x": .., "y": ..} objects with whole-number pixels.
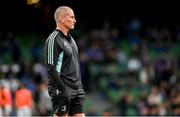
[{"x": 17, "y": 15}]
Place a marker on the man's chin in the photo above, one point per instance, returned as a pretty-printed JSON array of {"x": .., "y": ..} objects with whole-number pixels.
[{"x": 71, "y": 28}]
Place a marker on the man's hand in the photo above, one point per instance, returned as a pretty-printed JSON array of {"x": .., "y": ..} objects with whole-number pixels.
[{"x": 62, "y": 99}]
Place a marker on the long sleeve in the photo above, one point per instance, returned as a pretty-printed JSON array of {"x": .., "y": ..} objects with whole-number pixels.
[{"x": 52, "y": 52}]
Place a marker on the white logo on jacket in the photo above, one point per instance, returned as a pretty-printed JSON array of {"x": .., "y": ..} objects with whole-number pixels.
[
  {"x": 66, "y": 44},
  {"x": 63, "y": 108}
]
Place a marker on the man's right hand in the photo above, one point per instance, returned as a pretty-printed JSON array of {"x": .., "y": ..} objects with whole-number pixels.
[
  {"x": 63, "y": 93},
  {"x": 63, "y": 100}
]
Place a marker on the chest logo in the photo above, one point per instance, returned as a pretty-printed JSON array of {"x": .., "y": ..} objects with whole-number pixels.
[{"x": 66, "y": 44}]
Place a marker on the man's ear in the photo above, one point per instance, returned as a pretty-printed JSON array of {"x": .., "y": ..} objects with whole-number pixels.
[{"x": 62, "y": 19}]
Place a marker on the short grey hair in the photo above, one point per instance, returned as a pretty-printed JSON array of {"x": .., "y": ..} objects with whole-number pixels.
[{"x": 61, "y": 12}]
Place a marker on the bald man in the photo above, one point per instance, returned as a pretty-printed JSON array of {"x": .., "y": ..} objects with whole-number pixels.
[{"x": 62, "y": 62}]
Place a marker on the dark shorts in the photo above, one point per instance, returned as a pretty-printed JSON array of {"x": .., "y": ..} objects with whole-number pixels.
[{"x": 72, "y": 106}]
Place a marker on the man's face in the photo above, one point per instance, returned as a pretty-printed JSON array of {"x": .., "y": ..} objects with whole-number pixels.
[{"x": 69, "y": 20}]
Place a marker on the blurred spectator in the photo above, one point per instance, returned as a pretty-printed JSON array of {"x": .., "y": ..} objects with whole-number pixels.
[
  {"x": 6, "y": 101},
  {"x": 39, "y": 72},
  {"x": 134, "y": 64},
  {"x": 85, "y": 72},
  {"x": 95, "y": 52},
  {"x": 176, "y": 104},
  {"x": 1, "y": 104},
  {"x": 142, "y": 104},
  {"x": 23, "y": 101},
  {"x": 143, "y": 75},
  {"x": 44, "y": 103},
  {"x": 163, "y": 109},
  {"x": 154, "y": 97}
]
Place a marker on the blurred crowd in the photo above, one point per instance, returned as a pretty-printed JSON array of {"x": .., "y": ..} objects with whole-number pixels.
[
  {"x": 138, "y": 71},
  {"x": 23, "y": 90}
]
